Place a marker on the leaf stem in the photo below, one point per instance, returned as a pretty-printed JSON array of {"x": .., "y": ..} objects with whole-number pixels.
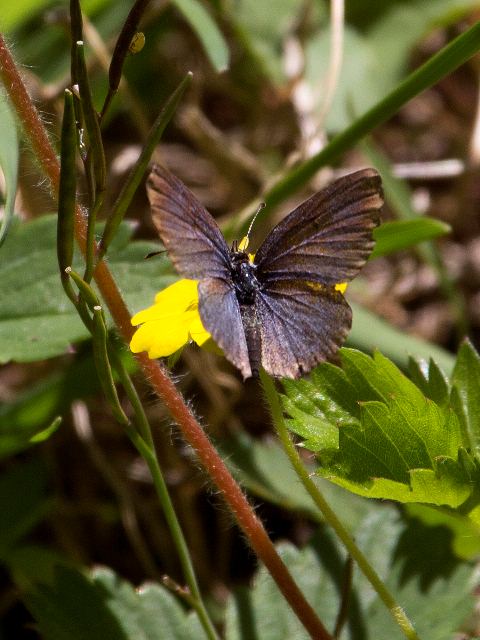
[{"x": 369, "y": 572}]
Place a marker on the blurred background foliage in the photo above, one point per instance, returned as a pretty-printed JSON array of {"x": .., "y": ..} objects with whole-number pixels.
[{"x": 76, "y": 491}]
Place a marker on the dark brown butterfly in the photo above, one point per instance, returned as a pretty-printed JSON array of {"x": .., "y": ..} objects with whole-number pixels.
[{"x": 282, "y": 311}]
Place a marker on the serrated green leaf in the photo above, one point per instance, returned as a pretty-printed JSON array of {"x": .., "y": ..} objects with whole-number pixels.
[
  {"x": 37, "y": 321},
  {"x": 402, "y": 446},
  {"x": 403, "y": 234},
  {"x": 8, "y": 162},
  {"x": 403, "y": 564},
  {"x": 432, "y": 381},
  {"x": 418, "y": 566},
  {"x": 466, "y": 532},
  {"x": 207, "y": 31},
  {"x": 466, "y": 380},
  {"x": 102, "y": 605}
]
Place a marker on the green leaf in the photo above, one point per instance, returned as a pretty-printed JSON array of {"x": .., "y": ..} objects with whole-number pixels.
[
  {"x": 8, "y": 162},
  {"x": 255, "y": 464},
  {"x": 370, "y": 331},
  {"x": 403, "y": 234},
  {"x": 44, "y": 434},
  {"x": 421, "y": 585},
  {"x": 393, "y": 442},
  {"x": 207, "y": 31},
  {"x": 466, "y": 380},
  {"x": 466, "y": 534},
  {"x": 262, "y": 36},
  {"x": 417, "y": 565},
  {"x": 23, "y": 503},
  {"x": 15, "y": 438},
  {"x": 102, "y": 605},
  {"x": 431, "y": 381},
  {"x": 37, "y": 320}
]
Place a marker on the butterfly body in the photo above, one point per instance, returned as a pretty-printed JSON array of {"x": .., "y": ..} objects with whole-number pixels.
[
  {"x": 244, "y": 277},
  {"x": 280, "y": 311}
]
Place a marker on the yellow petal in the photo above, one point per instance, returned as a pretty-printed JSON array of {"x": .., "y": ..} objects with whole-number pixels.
[
  {"x": 197, "y": 331},
  {"x": 162, "y": 337},
  {"x": 171, "y": 322},
  {"x": 180, "y": 295}
]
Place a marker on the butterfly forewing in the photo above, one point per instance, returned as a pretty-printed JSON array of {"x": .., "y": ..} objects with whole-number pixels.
[
  {"x": 328, "y": 238},
  {"x": 191, "y": 236}
]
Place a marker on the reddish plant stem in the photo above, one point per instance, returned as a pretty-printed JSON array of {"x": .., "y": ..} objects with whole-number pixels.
[{"x": 153, "y": 370}]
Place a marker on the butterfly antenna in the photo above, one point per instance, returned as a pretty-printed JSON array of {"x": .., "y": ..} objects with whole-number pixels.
[
  {"x": 261, "y": 206},
  {"x": 245, "y": 241}
]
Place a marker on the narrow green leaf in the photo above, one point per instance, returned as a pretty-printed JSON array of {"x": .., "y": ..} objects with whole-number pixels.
[
  {"x": 370, "y": 331},
  {"x": 43, "y": 435},
  {"x": 403, "y": 234},
  {"x": 466, "y": 380},
  {"x": 207, "y": 31},
  {"x": 16, "y": 436},
  {"x": 136, "y": 174},
  {"x": 8, "y": 162}
]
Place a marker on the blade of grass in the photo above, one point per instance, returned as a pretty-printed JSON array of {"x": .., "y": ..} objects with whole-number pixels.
[
  {"x": 437, "y": 67},
  {"x": 403, "y": 234},
  {"x": 130, "y": 186},
  {"x": 369, "y": 329}
]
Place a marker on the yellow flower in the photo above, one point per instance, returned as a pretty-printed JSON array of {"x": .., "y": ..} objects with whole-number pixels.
[{"x": 173, "y": 321}]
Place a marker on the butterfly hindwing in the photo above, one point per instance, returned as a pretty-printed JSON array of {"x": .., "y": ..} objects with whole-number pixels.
[
  {"x": 220, "y": 315},
  {"x": 191, "y": 236},
  {"x": 328, "y": 238},
  {"x": 301, "y": 324}
]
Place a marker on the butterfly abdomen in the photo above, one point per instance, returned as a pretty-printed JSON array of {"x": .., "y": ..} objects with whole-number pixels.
[{"x": 253, "y": 337}]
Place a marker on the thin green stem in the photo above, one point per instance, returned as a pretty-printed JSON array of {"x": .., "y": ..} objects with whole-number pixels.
[
  {"x": 149, "y": 455},
  {"x": 369, "y": 572}
]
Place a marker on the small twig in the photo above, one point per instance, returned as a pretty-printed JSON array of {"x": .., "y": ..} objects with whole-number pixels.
[
  {"x": 337, "y": 28},
  {"x": 229, "y": 155},
  {"x": 474, "y": 150}
]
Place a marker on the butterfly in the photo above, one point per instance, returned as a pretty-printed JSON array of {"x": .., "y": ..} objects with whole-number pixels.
[{"x": 280, "y": 311}]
